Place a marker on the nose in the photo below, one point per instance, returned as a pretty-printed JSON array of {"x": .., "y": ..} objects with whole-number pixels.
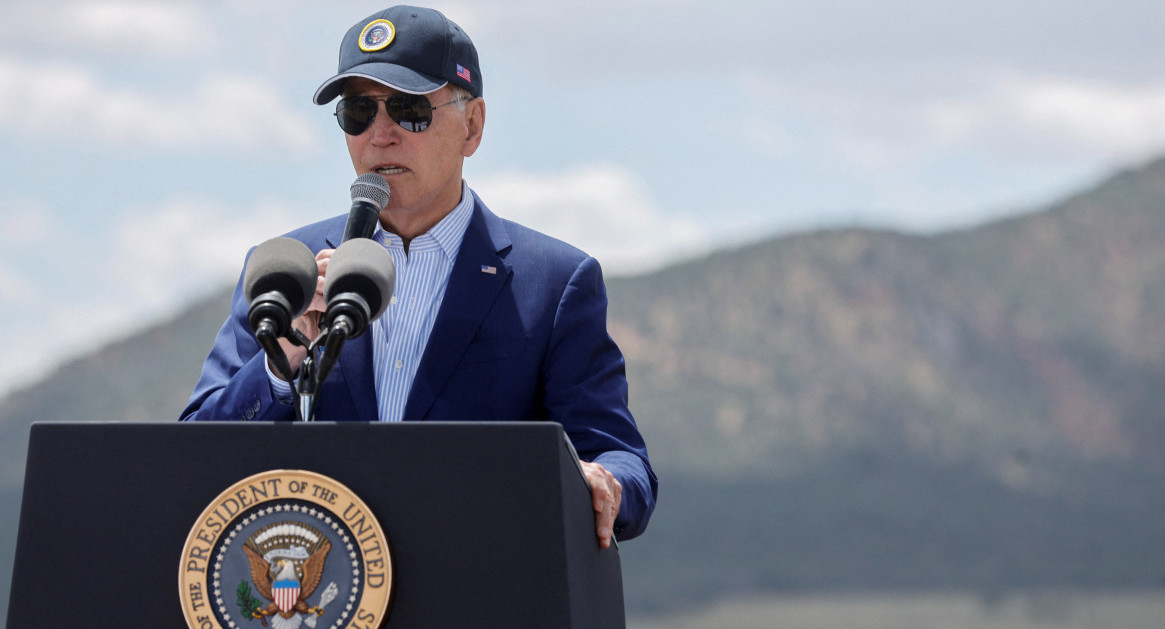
[{"x": 385, "y": 131}]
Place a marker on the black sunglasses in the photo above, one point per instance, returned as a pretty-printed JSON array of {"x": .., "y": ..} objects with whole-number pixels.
[{"x": 414, "y": 112}]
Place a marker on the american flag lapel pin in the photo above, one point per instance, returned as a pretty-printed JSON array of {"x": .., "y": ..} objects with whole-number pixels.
[{"x": 489, "y": 270}]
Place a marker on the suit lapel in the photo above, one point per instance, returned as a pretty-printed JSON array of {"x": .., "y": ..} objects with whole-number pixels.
[
  {"x": 356, "y": 366},
  {"x": 471, "y": 293}
]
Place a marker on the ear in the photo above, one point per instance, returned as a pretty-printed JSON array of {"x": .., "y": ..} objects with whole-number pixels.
[{"x": 474, "y": 125}]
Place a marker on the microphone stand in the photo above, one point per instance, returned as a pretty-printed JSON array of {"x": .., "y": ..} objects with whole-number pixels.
[
  {"x": 306, "y": 385},
  {"x": 266, "y": 336},
  {"x": 315, "y": 367}
]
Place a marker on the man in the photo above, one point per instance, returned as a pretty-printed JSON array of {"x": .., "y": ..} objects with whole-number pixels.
[{"x": 489, "y": 319}]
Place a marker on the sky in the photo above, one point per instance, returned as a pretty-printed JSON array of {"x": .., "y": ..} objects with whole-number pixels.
[{"x": 145, "y": 146}]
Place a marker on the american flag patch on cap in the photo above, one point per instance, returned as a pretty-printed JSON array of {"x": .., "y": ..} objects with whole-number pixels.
[
  {"x": 490, "y": 270},
  {"x": 463, "y": 72}
]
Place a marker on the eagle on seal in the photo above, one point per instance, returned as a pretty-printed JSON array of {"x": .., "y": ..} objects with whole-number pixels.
[{"x": 279, "y": 582}]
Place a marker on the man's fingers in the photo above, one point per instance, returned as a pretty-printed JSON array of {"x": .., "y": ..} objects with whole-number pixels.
[
  {"x": 606, "y": 495},
  {"x": 317, "y": 301},
  {"x": 605, "y": 523}
]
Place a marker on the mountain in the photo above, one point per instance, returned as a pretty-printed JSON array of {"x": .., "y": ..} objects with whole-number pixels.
[
  {"x": 1025, "y": 341},
  {"x": 845, "y": 409},
  {"x": 865, "y": 409}
]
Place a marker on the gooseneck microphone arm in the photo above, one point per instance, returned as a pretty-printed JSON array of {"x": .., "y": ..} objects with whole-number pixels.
[
  {"x": 279, "y": 282},
  {"x": 334, "y": 341},
  {"x": 269, "y": 341}
]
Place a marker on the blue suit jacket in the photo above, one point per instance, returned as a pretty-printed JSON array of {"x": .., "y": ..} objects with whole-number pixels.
[{"x": 528, "y": 342}]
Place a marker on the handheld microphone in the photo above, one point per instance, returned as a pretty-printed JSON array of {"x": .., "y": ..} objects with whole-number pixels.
[
  {"x": 370, "y": 195},
  {"x": 279, "y": 284}
]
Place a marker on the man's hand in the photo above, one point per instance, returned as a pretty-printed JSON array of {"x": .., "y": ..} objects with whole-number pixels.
[
  {"x": 606, "y": 495},
  {"x": 309, "y": 321}
]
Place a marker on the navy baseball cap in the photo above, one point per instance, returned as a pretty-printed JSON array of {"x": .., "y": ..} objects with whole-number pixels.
[{"x": 410, "y": 49}]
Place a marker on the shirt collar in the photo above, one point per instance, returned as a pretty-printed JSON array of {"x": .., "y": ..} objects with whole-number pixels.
[{"x": 446, "y": 234}]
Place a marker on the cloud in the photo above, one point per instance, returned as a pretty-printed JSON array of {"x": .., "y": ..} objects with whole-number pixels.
[
  {"x": 222, "y": 110},
  {"x": 1054, "y": 115},
  {"x": 155, "y": 28},
  {"x": 1004, "y": 115},
  {"x": 13, "y": 288},
  {"x": 122, "y": 27},
  {"x": 838, "y": 41},
  {"x": 602, "y": 209},
  {"x": 188, "y": 247},
  {"x": 24, "y": 224}
]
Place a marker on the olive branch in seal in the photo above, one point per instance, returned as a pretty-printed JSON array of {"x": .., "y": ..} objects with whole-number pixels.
[{"x": 248, "y": 603}]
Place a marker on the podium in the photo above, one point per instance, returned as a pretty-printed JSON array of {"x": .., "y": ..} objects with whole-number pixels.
[{"x": 489, "y": 523}]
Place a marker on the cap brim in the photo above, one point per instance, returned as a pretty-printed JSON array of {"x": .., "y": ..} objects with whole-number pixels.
[{"x": 397, "y": 77}]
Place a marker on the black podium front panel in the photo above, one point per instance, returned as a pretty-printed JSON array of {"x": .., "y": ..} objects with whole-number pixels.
[{"x": 489, "y": 522}]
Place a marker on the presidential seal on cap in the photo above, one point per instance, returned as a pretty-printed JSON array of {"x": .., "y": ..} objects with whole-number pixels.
[
  {"x": 410, "y": 49},
  {"x": 285, "y": 547},
  {"x": 377, "y": 35}
]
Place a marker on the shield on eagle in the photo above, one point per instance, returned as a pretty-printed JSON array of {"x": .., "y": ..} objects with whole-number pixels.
[{"x": 286, "y": 593}]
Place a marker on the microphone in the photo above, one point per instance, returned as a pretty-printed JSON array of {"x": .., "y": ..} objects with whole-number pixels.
[
  {"x": 360, "y": 280},
  {"x": 370, "y": 195},
  {"x": 279, "y": 284}
]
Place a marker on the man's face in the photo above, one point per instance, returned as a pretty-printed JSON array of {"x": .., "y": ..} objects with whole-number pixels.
[{"x": 423, "y": 169}]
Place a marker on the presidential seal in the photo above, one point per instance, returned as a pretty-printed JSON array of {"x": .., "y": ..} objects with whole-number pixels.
[
  {"x": 377, "y": 35},
  {"x": 285, "y": 549}
]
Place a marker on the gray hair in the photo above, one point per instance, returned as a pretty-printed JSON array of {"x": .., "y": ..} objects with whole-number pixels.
[{"x": 460, "y": 96}]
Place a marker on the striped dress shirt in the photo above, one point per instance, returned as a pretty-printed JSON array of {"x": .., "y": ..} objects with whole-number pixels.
[{"x": 399, "y": 336}]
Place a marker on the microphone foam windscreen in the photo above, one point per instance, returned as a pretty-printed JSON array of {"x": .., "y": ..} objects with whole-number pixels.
[
  {"x": 364, "y": 267},
  {"x": 373, "y": 187},
  {"x": 282, "y": 265}
]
